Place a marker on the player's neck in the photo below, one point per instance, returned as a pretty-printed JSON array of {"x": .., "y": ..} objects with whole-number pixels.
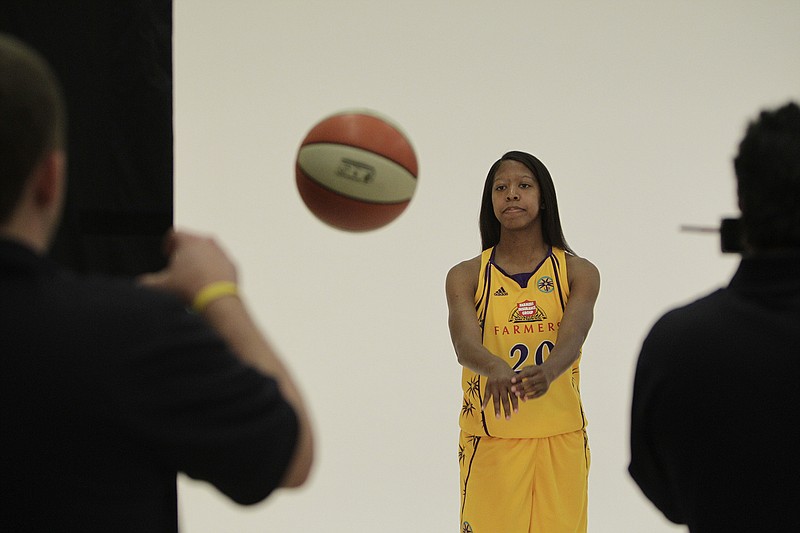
[{"x": 520, "y": 251}]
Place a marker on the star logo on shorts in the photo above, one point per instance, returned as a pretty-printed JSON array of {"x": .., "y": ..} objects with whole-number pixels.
[
  {"x": 468, "y": 408},
  {"x": 474, "y": 387}
]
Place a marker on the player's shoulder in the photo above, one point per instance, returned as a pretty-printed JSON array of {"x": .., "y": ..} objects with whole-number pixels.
[
  {"x": 578, "y": 262},
  {"x": 464, "y": 274},
  {"x": 468, "y": 267},
  {"x": 580, "y": 268}
]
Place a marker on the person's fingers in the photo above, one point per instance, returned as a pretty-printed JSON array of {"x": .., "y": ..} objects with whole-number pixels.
[
  {"x": 496, "y": 405},
  {"x": 152, "y": 279},
  {"x": 506, "y": 406}
]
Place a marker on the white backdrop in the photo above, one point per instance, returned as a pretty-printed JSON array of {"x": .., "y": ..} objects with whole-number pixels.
[{"x": 636, "y": 107}]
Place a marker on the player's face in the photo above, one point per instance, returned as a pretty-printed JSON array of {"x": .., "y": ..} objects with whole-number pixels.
[{"x": 516, "y": 196}]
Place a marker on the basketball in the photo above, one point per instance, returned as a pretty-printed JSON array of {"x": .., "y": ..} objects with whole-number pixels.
[{"x": 356, "y": 170}]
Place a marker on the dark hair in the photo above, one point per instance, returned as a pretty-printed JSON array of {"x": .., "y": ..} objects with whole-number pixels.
[
  {"x": 32, "y": 117},
  {"x": 551, "y": 222},
  {"x": 768, "y": 179}
]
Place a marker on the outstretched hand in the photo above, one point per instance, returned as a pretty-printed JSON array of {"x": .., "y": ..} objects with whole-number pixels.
[
  {"x": 531, "y": 382},
  {"x": 194, "y": 262},
  {"x": 499, "y": 392},
  {"x": 505, "y": 388}
]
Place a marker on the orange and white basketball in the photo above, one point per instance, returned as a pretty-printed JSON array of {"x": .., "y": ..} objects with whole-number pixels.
[{"x": 356, "y": 170}]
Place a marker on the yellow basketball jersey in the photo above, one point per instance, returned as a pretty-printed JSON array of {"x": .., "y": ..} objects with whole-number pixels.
[{"x": 520, "y": 325}]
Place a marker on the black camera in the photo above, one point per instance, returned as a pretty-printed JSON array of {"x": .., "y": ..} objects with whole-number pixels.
[{"x": 730, "y": 232}]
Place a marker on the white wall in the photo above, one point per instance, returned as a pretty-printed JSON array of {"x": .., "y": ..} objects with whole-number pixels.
[{"x": 636, "y": 107}]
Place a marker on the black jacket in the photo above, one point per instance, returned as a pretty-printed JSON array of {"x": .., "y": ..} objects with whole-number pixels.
[
  {"x": 716, "y": 404},
  {"x": 107, "y": 391}
]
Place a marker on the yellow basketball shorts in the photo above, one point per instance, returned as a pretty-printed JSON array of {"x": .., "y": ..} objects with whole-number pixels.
[{"x": 524, "y": 485}]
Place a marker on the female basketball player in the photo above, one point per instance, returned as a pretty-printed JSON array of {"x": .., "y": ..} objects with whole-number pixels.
[{"x": 518, "y": 316}]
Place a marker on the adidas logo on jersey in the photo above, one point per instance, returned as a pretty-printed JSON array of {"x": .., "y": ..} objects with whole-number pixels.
[{"x": 500, "y": 292}]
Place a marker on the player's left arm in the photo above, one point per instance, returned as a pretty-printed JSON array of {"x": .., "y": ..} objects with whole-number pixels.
[{"x": 584, "y": 285}]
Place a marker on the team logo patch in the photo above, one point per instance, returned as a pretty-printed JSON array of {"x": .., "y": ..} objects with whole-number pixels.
[
  {"x": 545, "y": 284},
  {"x": 527, "y": 311},
  {"x": 466, "y": 528}
]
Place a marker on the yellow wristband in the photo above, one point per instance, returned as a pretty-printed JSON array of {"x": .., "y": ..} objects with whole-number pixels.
[{"x": 213, "y": 291}]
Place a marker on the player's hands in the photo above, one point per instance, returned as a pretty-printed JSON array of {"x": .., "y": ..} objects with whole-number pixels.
[
  {"x": 499, "y": 392},
  {"x": 194, "y": 261},
  {"x": 532, "y": 382}
]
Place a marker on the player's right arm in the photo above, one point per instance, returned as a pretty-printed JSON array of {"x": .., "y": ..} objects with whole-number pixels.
[{"x": 465, "y": 333}]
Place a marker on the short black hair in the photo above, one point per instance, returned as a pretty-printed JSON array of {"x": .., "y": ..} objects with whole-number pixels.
[
  {"x": 32, "y": 117},
  {"x": 768, "y": 179},
  {"x": 551, "y": 222}
]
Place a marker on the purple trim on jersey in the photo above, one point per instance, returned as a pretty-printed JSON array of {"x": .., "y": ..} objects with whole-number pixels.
[
  {"x": 523, "y": 277},
  {"x": 557, "y": 271},
  {"x": 483, "y": 306}
]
